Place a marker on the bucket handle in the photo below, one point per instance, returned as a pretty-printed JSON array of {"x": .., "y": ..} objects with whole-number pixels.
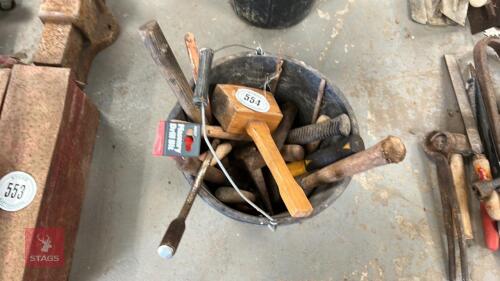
[{"x": 258, "y": 50}]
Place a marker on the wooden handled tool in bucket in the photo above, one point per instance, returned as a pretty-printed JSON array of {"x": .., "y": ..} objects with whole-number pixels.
[
  {"x": 242, "y": 109},
  {"x": 389, "y": 150}
]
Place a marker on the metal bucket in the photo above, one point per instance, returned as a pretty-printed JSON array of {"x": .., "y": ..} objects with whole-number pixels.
[
  {"x": 298, "y": 84},
  {"x": 272, "y": 13}
]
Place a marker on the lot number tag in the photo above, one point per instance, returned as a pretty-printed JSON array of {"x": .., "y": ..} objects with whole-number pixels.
[
  {"x": 252, "y": 100},
  {"x": 17, "y": 190}
]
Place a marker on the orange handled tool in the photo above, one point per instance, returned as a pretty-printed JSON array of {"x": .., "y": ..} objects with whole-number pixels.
[{"x": 483, "y": 174}]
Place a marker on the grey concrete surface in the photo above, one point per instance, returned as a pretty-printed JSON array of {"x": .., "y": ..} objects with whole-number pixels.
[{"x": 386, "y": 226}]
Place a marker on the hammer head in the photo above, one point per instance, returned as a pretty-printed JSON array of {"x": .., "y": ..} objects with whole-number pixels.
[{"x": 234, "y": 106}]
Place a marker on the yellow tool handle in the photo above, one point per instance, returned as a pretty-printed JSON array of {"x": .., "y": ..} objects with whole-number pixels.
[{"x": 298, "y": 168}]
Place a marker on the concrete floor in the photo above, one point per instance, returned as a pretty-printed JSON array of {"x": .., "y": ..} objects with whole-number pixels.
[{"x": 386, "y": 226}]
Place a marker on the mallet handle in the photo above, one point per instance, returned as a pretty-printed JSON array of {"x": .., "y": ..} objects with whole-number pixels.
[{"x": 292, "y": 194}]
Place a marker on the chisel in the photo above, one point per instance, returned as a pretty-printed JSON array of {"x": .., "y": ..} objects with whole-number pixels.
[{"x": 175, "y": 230}]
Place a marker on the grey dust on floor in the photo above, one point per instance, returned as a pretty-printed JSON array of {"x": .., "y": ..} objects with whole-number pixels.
[{"x": 386, "y": 226}]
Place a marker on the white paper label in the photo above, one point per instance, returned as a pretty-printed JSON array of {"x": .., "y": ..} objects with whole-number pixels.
[
  {"x": 253, "y": 100},
  {"x": 17, "y": 190}
]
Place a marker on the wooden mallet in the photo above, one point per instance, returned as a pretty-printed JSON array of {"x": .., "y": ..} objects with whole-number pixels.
[{"x": 254, "y": 111}]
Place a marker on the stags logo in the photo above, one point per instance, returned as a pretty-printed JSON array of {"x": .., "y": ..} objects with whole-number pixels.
[
  {"x": 46, "y": 243},
  {"x": 44, "y": 247}
]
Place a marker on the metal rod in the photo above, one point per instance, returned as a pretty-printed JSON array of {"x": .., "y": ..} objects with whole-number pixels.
[{"x": 175, "y": 230}]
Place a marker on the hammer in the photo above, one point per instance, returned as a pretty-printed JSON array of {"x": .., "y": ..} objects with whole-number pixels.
[{"x": 239, "y": 109}]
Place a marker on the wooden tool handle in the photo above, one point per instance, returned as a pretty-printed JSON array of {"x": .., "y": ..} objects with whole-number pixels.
[
  {"x": 162, "y": 54},
  {"x": 260, "y": 183},
  {"x": 192, "y": 165},
  {"x": 297, "y": 168},
  {"x": 221, "y": 151},
  {"x": 292, "y": 152},
  {"x": 482, "y": 168},
  {"x": 492, "y": 205},
  {"x": 293, "y": 196},
  {"x": 389, "y": 150},
  {"x": 253, "y": 160},
  {"x": 229, "y": 195},
  {"x": 219, "y": 133},
  {"x": 193, "y": 54},
  {"x": 460, "y": 183}
]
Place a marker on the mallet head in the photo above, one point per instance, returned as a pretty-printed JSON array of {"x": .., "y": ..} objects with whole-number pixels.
[{"x": 234, "y": 106}]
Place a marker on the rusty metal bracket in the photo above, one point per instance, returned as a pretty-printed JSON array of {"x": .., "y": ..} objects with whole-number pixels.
[{"x": 74, "y": 32}]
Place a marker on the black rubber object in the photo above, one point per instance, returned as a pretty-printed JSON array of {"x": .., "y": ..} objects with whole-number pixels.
[
  {"x": 338, "y": 126},
  {"x": 299, "y": 85},
  {"x": 201, "y": 91},
  {"x": 326, "y": 156},
  {"x": 272, "y": 13}
]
